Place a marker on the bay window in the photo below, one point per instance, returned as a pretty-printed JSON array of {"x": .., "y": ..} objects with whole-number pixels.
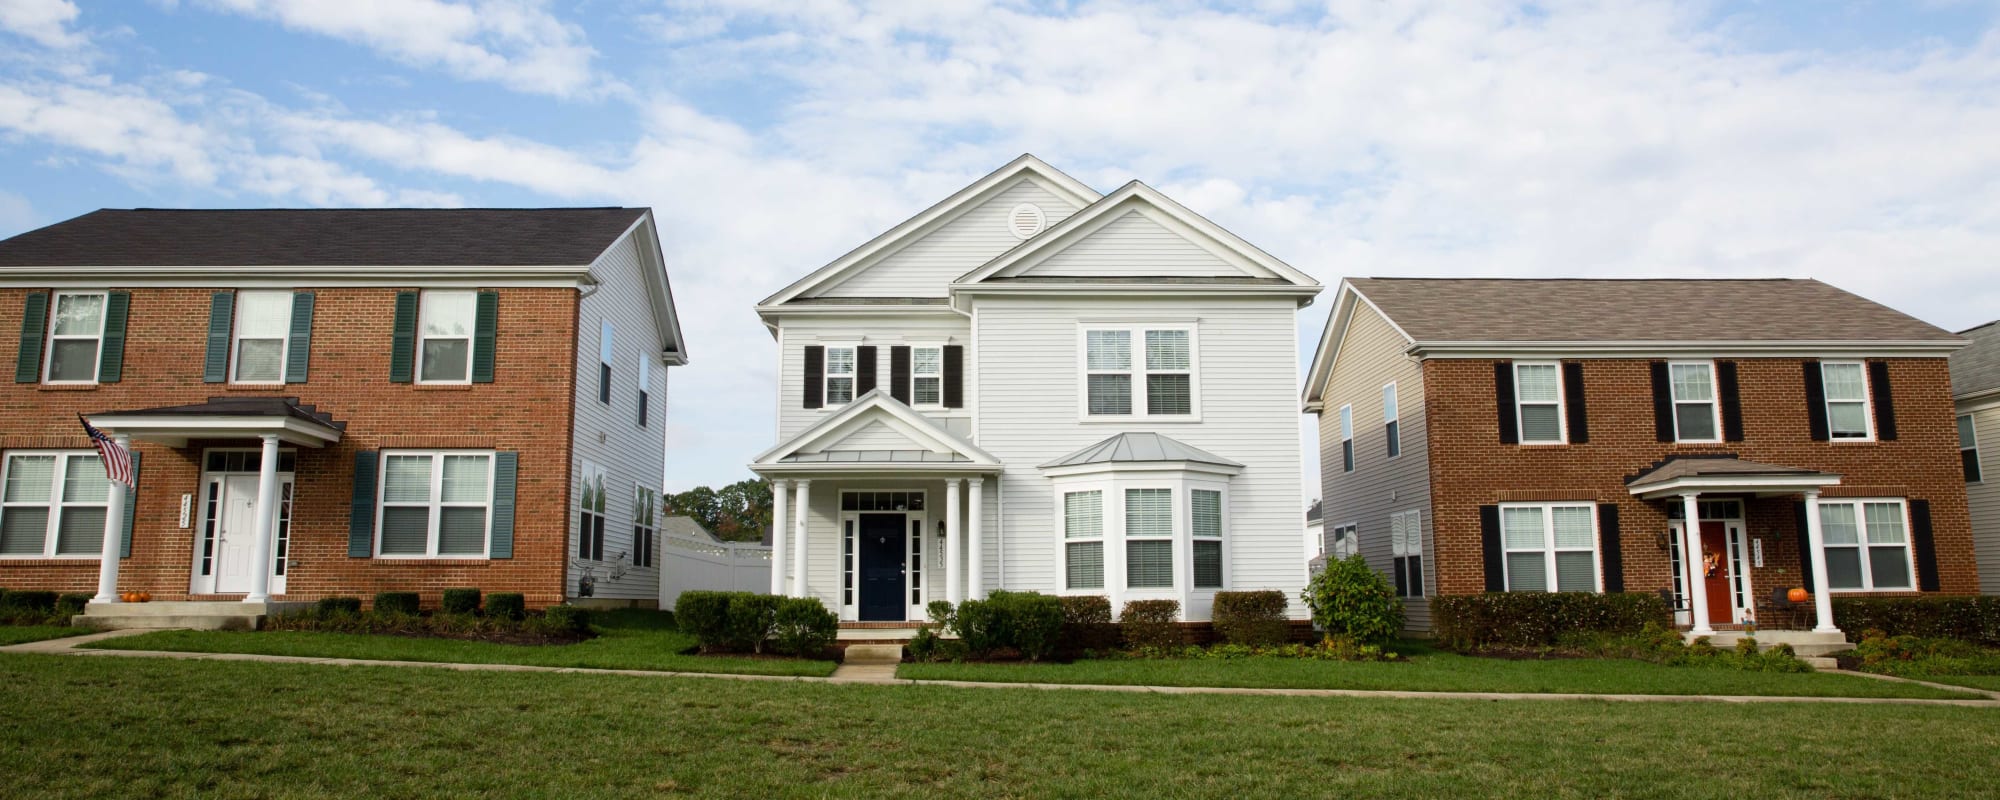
[
  {"x": 1205, "y": 529},
  {"x": 1149, "y": 538},
  {"x": 1083, "y": 534}
]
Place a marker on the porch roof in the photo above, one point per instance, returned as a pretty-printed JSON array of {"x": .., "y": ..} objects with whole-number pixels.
[
  {"x": 1725, "y": 474},
  {"x": 226, "y": 418},
  {"x": 1131, "y": 448},
  {"x": 875, "y": 434}
]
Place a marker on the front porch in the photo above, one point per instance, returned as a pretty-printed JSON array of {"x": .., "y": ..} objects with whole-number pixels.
[{"x": 211, "y": 615}]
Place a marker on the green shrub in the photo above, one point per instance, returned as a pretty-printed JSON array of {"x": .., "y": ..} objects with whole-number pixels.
[
  {"x": 927, "y": 645},
  {"x": 705, "y": 616},
  {"x": 70, "y": 605},
  {"x": 1251, "y": 618},
  {"x": 505, "y": 605},
  {"x": 34, "y": 600},
  {"x": 802, "y": 626},
  {"x": 1033, "y": 622},
  {"x": 397, "y": 603},
  {"x": 330, "y": 606},
  {"x": 1967, "y": 619},
  {"x": 1540, "y": 619},
  {"x": 1919, "y": 655},
  {"x": 981, "y": 625},
  {"x": 940, "y": 612},
  {"x": 750, "y": 619},
  {"x": 1087, "y": 624},
  {"x": 1151, "y": 624},
  {"x": 566, "y": 619},
  {"x": 460, "y": 601},
  {"x": 1350, "y": 599}
]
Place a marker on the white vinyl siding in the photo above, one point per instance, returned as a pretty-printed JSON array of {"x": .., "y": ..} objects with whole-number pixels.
[
  {"x": 1538, "y": 402},
  {"x": 1347, "y": 438},
  {"x": 1696, "y": 414},
  {"x": 1083, "y": 534},
  {"x": 1131, "y": 245},
  {"x": 1848, "y": 416},
  {"x": 76, "y": 337},
  {"x": 882, "y": 332},
  {"x": 435, "y": 504},
  {"x": 53, "y": 504},
  {"x": 1390, "y": 426},
  {"x": 263, "y": 330},
  {"x": 1140, "y": 371},
  {"x": 1867, "y": 545},
  {"x": 1550, "y": 547},
  {"x": 926, "y": 266},
  {"x": 1983, "y": 501},
  {"x": 444, "y": 336}
]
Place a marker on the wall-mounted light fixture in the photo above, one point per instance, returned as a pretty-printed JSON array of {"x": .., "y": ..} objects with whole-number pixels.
[{"x": 941, "y": 531}]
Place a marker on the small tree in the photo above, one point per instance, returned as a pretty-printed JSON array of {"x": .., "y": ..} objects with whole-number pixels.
[{"x": 1350, "y": 599}]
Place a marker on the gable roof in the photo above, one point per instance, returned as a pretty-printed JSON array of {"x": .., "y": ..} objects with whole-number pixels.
[
  {"x": 932, "y": 446},
  {"x": 1139, "y": 448},
  {"x": 1975, "y": 370}
]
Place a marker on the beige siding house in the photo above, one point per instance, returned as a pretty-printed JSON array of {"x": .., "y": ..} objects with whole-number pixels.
[{"x": 1975, "y": 388}]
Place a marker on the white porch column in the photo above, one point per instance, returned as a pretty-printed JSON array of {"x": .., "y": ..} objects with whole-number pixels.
[
  {"x": 114, "y": 536},
  {"x": 954, "y": 546},
  {"x": 267, "y": 515},
  {"x": 800, "y": 513},
  {"x": 1691, "y": 559},
  {"x": 1816, "y": 541},
  {"x": 975, "y": 560},
  {"x": 781, "y": 496}
]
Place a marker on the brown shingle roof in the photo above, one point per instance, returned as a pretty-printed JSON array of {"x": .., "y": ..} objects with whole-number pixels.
[
  {"x": 1976, "y": 368},
  {"x": 153, "y": 237},
  {"x": 1698, "y": 467},
  {"x": 1613, "y": 310}
]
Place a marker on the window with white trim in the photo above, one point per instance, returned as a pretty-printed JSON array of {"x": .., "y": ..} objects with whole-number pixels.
[
  {"x": 1347, "y": 438},
  {"x": 1696, "y": 414},
  {"x": 1867, "y": 545},
  {"x": 1205, "y": 534},
  {"x": 1343, "y": 541},
  {"x": 263, "y": 329},
  {"x": 1149, "y": 538},
  {"x": 1391, "y": 416},
  {"x": 76, "y": 337},
  {"x": 1846, "y": 385},
  {"x": 435, "y": 504},
  {"x": 1083, "y": 539},
  {"x": 605, "y": 353},
  {"x": 840, "y": 363},
  {"x": 645, "y": 387},
  {"x": 1550, "y": 547},
  {"x": 1158, "y": 382},
  {"x": 645, "y": 525},
  {"x": 1406, "y": 539},
  {"x": 1968, "y": 448},
  {"x": 927, "y": 375},
  {"x": 444, "y": 336},
  {"x": 591, "y": 513},
  {"x": 1538, "y": 402},
  {"x": 53, "y": 504}
]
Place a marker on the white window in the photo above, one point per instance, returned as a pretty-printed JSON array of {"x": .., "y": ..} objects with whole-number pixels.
[
  {"x": 1550, "y": 547},
  {"x": 444, "y": 330},
  {"x": 1390, "y": 413},
  {"x": 1696, "y": 417},
  {"x": 1406, "y": 538},
  {"x": 1847, "y": 416},
  {"x": 76, "y": 337},
  {"x": 1867, "y": 545},
  {"x": 1343, "y": 541},
  {"x": 1968, "y": 448},
  {"x": 645, "y": 387},
  {"x": 927, "y": 376},
  {"x": 435, "y": 504},
  {"x": 1158, "y": 382},
  {"x": 1083, "y": 534},
  {"x": 1149, "y": 538},
  {"x": 1347, "y": 438},
  {"x": 1205, "y": 530},
  {"x": 1538, "y": 402},
  {"x": 839, "y": 375},
  {"x": 263, "y": 331},
  {"x": 53, "y": 504},
  {"x": 604, "y": 355},
  {"x": 591, "y": 513},
  {"x": 645, "y": 525}
]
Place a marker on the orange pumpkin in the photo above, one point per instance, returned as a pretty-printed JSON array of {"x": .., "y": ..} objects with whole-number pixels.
[
  {"x": 145, "y": 597},
  {"x": 129, "y": 597},
  {"x": 1796, "y": 595}
]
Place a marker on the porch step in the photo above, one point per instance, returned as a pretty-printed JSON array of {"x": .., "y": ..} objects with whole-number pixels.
[
  {"x": 199, "y": 615},
  {"x": 872, "y": 654},
  {"x": 857, "y": 635},
  {"x": 1806, "y": 644}
]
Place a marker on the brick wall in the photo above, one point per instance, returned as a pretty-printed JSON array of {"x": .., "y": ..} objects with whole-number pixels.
[
  {"x": 1470, "y": 467},
  {"x": 525, "y": 409}
]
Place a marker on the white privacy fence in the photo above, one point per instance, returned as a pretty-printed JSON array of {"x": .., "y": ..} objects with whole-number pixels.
[{"x": 690, "y": 564}]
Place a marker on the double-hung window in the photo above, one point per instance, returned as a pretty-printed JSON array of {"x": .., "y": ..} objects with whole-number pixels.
[
  {"x": 1696, "y": 418},
  {"x": 53, "y": 504},
  {"x": 1550, "y": 547},
  {"x": 1156, "y": 381},
  {"x": 645, "y": 525},
  {"x": 927, "y": 376},
  {"x": 445, "y": 326},
  {"x": 263, "y": 331},
  {"x": 1149, "y": 538},
  {"x": 436, "y": 505},
  {"x": 1847, "y": 417},
  {"x": 604, "y": 355},
  {"x": 1169, "y": 373},
  {"x": 591, "y": 514},
  {"x": 645, "y": 387},
  {"x": 1205, "y": 530},
  {"x": 1406, "y": 538},
  {"x": 1343, "y": 541},
  {"x": 1390, "y": 415},
  {"x": 1968, "y": 448},
  {"x": 840, "y": 363},
  {"x": 1867, "y": 545},
  {"x": 76, "y": 337},
  {"x": 1108, "y": 371},
  {"x": 1347, "y": 438},
  {"x": 1083, "y": 539},
  {"x": 1538, "y": 402}
]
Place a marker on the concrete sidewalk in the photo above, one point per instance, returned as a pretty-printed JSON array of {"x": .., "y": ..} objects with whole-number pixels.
[{"x": 884, "y": 675}]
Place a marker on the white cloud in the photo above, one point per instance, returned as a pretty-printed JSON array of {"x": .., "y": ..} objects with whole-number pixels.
[
  {"x": 16, "y": 214},
  {"x": 45, "y": 21}
]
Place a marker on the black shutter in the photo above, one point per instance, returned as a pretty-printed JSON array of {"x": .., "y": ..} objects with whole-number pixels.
[
  {"x": 221, "y": 313},
  {"x": 34, "y": 320},
  {"x": 1489, "y": 545},
  {"x": 111, "y": 362},
  {"x": 1503, "y": 402},
  {"x": 815, "y": 377},
  {"x": 361, "y": 510},
  {"x": 403, "y": 339},
  {"x": 1884, "y": 401},
  {"x": 1922, "y": 540},
  {"x": 1806, "y": 554},
  {"x": 1732, "y": 401},
  {"x": 954, "y": 376},
  {"x": 1573, "y": 403},
  {"x": 864, "y": 370},
  {"x": 1663, "y": 403},
  {"x": 1816, "y": 402},
  {"x": 899, "y": 373},
  {"x": 1613, "y": 548}
]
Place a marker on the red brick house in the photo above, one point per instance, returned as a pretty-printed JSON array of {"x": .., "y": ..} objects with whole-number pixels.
[
  {"x": 1553, "y": 435},
  {"x": 336, "y": 402}
]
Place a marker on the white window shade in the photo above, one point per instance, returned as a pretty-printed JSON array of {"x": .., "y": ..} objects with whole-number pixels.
[
  {"x": 1166, "y": 350},
  {"x": 1149, "y": 512},
  {"x": 1109, "y": 350}
]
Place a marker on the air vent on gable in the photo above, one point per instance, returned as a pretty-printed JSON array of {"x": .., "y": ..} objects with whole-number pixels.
[{"x": 1026, "y": 220}]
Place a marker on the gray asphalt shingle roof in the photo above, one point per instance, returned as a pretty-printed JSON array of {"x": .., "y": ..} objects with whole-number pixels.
[
  {"x": 1704, "y": 466},
  {"x": 1139, "y": 447},
  {"x": 1976, "y": 367},
  {"x": 238, "y": 407}
]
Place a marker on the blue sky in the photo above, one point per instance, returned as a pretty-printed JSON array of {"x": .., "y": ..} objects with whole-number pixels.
[{"x": 1850, "y": 141}]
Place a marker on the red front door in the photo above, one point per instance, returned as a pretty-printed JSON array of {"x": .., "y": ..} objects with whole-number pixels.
[{"x": 1713, "y": 567}]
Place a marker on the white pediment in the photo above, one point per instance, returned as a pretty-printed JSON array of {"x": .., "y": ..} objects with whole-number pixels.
[{"x": 1134, "y": 244}]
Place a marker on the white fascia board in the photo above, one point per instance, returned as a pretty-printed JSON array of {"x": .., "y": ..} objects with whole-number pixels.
[
  {"x": 1736, "y": 484},
  {"x": 832, "y": 470},
  {"x": 877, "y": 402},
  {"x": 1139, "y": 468},
  {"x": 1977, "y": 401},
  {"x": 1303, "y": 293},
  {"x": 1685, "y": 349},
  {"x": 659, "y": 288},
  {"x": 1331, "y": 338}
]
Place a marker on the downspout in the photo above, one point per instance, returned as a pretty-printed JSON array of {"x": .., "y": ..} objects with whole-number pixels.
[{"x": 1000, "y": 495}]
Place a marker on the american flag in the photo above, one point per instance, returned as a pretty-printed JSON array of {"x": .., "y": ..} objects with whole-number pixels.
[{"x": 117, "y": 460}]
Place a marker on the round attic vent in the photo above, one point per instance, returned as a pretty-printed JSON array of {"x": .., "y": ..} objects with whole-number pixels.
[{"x": 1026, "y": 220}]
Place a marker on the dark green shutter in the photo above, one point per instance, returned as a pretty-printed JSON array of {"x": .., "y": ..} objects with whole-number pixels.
[
  {"x": 1503, "y": 402},
  {"x": 1489, "y": 547},
  {"x": 1806, "y": 555},
  {"x": 505, "y": 468},
  {"x": 1612, "y": 545},
  {"x": 221, "y": 320},
  {"x": 485, "y": 330},
  {"x": 131, "y": 510},
  {"x": 361, "y": 515},
  {"x": 299, "y": 352},
  {"x": 111, "y": 360},
  {"x": 1924, "y": 541},
  {"x": 34, "y": 320},
  {"x": 403, "y": 340},
  {"x": 1884, "y": 401}
]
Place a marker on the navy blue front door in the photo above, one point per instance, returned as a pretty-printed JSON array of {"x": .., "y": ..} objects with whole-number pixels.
[{"x": 882, "y": 564}]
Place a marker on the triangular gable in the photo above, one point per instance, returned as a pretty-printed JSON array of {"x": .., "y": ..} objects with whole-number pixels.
[
  {"x": 1154, "y": 208},
  {"x": 1346, "y": 304},
  {"x": 927, "y": 263},
  {"x": 1133, "y": 244},
  {"x": 1045, "y": 178},
  {"x": 645, "y": 238},
  {"x": 877, "y": 418},
  {"x": 874, "y": 434}
]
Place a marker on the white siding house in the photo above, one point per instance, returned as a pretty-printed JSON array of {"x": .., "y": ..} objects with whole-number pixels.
[
  {"x": 1033, "y": 386},
  {"x": 1975, "y": 389}
]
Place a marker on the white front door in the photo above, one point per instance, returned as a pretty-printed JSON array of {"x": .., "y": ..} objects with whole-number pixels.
[{"x": 236, "y": 541}]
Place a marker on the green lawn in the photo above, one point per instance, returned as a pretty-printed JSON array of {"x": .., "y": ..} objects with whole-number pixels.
[
  {"x": 1989, "y": 683},
  {"x": 88, "y": 727},
  {"x": 627, "y": 641},
  {"x": 1430, "y": 670},
  {"x": 22, "y": 634}
]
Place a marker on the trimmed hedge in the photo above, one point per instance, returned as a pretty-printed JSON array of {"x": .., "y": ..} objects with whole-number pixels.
[
  {"x": 1967, "y": 619},
  {"x": 1087, "y": 624},
  {"x": 1151, "y": 624},
  {"x": 397, "y": 603},
  {"x": 504, "y": 605},
  {"x": 70, "y": 605},
  {"x": 460, "y": 601},
  {"x": 1029, "y": 622},
  {"x": 802, "y": 626},
  {"x": 337, "y": 605},
  {"x": 1540, "y": 619},
  {"x": 566, "y": 619},
  {"x": 35, "y": 600},
  {"x": 1251, "y": 618},
  {"x": 736, "y": 621}
]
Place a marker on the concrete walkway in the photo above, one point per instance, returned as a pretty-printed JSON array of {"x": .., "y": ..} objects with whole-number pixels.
[{"x": 884, "y": 675}]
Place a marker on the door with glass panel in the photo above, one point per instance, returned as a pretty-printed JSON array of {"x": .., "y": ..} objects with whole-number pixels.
[{"x": 225, "y": 555}]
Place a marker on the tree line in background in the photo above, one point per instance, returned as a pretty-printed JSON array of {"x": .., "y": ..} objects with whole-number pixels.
[{"x": 739, "y": 512}]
